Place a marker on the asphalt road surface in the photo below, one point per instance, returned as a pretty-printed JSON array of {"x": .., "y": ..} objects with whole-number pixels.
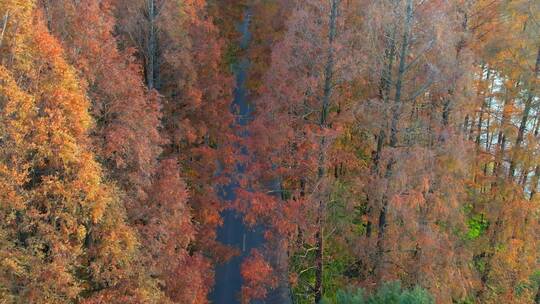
[{"x": 233, "y": 232}]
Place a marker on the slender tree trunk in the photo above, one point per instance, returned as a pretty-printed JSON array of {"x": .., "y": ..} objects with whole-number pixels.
[
  {"x": 447, "y": 107},
  {"x": 482, "y": 110},
  {"x": 384, "y": 93},
  {"x": 499, "y": 152},
  {"x": 465, "y": 124},
  {"x": 319, "y": 255},
  {"x": 323, "y": 124},
  {"x": 488, "y": 135},
  {"x": 396, "y": 108},
  {"x": 525, "y": 117},
  {"x": 471, "y": 130},
  {"x": 520, "y": 135},
  {"x": 501, "y": 139},
  {"x": 46, "y": 7},
  {"x": 383, "y": 213},
  {"x": 4, "y": 26},
  {"x": 536, "y": 176},
  {"x": 151, "y": 45},
  {"x": 523, "y": 177},
  {"x": 499, "y": 157},
  {"x": 396, "y": 111},
  {"x": 446, "y": 112},
  {"x": 534, "y": 182},
  {"x": 536, "y": 125},
  {"x": 481, "y": 114},
  {"x": 486, "y": 107}
]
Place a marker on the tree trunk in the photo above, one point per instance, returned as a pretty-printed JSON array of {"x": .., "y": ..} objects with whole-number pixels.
[
  {"x": 534, "y": 182},
  {"x": 501, "y": 139},
  {"x": 486, "y": 105},
  {"x": 447, "y": 107},
  {"x": 520, "y": 135},
  {"x": 151, "y": 45},
  {"x": 465, "y": 125},
  {"x": 488, "y": 135},
  {"x": 4, "y": 26},
  {"x": 319, "y": 255},
  {"x": 396, "y": 108},
  {"x": 482, "y": 110},
  {"x": 524, "y": 118},
  {"x": 499, "y": 157},
  {"x": 384, "y": 94},
  {"x": 323, "y": 124},
  {"x": 396, "y": 111}
]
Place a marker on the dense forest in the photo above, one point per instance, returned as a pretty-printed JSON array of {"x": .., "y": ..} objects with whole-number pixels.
[{"x": 389, "y": 150}]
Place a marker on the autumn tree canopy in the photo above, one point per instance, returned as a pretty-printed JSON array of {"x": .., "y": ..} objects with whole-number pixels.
[{"x": 388, "y": 150}]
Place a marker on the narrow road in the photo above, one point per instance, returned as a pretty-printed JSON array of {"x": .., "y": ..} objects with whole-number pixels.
[{"x": 228, "y": 280}]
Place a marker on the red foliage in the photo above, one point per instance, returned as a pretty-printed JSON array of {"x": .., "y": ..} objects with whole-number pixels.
[{"x": 258, "y": 277}]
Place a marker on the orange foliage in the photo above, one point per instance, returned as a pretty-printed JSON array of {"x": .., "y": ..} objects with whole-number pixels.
[{"x": 258, "y": 277}]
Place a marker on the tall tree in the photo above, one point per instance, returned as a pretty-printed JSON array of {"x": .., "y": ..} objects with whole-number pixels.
[
  {"x": 181, "y": 53},
  {"x": 64, "y": 227},
  {"x": 129, "y": 144},
  {"x": 505, "y": 253},
  {"x": 301, "y": 91}
]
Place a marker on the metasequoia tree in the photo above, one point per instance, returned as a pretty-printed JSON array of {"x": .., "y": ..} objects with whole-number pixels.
[
  {"x": 291, "y": 158},
  {"x": 127, "y": 117},
  {"x": 181, "y": 52},
  {"x": 400, "y": 183},
  {"x": 505, "y": 128},
  {"x": 411, "y": 207},
  {"x": 321, "y": 88},
  {"x": 169, "y": 234},
  {"x": 63, "y": 227},
  {"x": 129, "y": 144},
  {"x": 391, "y": 140}
]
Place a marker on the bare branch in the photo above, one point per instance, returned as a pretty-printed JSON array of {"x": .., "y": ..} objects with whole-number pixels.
[{"x": 422, "y": 89}]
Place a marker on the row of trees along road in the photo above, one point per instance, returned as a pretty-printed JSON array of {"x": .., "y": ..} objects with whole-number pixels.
[
  {"x": 404, "y": 138},
  {"x": 391, "y": 140}
]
